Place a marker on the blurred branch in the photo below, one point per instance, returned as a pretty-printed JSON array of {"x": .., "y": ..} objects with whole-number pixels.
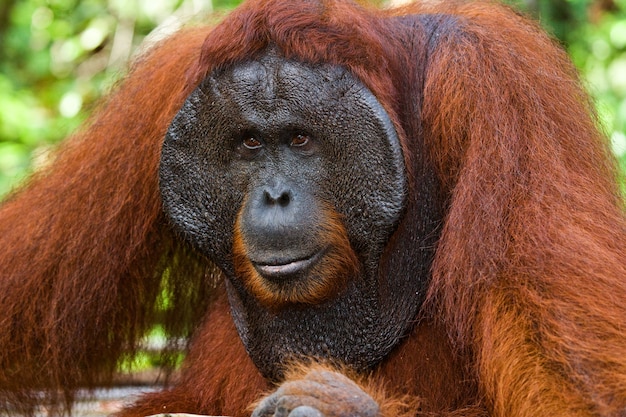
[
  {"x": 122, "y": 43},
  {"x": 6, "y": 7}
]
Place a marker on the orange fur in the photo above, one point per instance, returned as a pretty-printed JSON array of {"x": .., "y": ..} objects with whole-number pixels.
[
  {"x": 526, "y": 309},
  {"x": 218, "y": 377},
  {"x": 529, "y": 273},
  {"x": 85, "y": 247}
]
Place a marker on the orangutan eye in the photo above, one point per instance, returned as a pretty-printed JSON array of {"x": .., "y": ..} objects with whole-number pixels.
[
  {"x": 299, "y": 140},
  {"x": 252, "y": 143}
]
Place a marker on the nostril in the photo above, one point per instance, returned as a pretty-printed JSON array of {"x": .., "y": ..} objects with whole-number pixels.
[
  {"x": 284, "y": 199},
  {"x": 281, "y": 198}
]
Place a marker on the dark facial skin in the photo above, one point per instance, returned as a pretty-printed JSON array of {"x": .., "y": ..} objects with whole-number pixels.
[{"x": 279, "y": 144}]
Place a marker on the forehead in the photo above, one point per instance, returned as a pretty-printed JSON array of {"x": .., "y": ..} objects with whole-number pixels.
[{"x": 271, "y": 81}]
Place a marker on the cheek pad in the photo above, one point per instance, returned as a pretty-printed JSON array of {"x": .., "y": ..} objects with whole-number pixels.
[
  {"x": 367, "y": 173},
  {"x": 200, "y": 195}
]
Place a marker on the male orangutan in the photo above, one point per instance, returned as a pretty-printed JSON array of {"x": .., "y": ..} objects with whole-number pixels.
[{"x": 351, "y": 212}]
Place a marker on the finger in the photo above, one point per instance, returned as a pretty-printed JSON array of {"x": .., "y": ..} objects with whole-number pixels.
[{"x": 306, "y": 411}]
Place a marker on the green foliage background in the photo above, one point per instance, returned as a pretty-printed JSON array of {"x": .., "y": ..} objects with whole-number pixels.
[{"x": 57, "y": 57}]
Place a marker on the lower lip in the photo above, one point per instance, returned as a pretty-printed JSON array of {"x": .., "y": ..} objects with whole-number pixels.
[{"x": 286, "y": 270}]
